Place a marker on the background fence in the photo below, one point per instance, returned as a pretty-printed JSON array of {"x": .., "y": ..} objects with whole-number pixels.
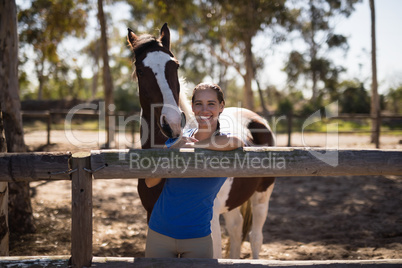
[{"x": 291, "y": 122}]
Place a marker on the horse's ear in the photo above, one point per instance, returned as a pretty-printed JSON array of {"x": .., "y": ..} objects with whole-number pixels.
[
  {"x": 165, "y": 36},
  {"x": 131, "y": 37}
]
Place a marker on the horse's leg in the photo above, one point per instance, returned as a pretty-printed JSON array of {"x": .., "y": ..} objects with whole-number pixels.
[
  {"x": 219, "y": 208},
  {"x": 260, "y": 205},
  {"x": 216, "y": 235},
  {"x": 234, "y": 226}
]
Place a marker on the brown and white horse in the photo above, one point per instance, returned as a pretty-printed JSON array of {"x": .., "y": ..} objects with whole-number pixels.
[{"x": 159, "y": 91}]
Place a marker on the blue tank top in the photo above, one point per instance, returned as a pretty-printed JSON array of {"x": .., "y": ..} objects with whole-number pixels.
[{"x": 184, "y": 208}]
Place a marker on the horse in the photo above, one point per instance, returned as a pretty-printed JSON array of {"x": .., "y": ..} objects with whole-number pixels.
[{"x": 156, "y": 70}]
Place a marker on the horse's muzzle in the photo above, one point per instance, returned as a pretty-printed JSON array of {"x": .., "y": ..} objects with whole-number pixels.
[{"x": 167, "y": 130}]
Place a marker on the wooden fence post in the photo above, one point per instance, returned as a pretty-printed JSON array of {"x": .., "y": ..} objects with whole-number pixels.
[
  {"x": 4, "y": 229},
  {"x": 378, "y": 129},
  {"x": 48, "y": 128},
  {"x": 290, "y": 125},
  {"x": 81, "y": 225}
]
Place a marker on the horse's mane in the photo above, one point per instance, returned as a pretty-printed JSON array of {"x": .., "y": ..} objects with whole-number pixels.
[{"x": 185, "y": 103}]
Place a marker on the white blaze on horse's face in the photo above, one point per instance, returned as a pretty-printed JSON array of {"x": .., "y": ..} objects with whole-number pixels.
[{"x": 171, "y": 113}]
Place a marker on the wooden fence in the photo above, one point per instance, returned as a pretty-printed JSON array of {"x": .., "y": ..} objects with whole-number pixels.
[
  {"x": 290, "y": 118},
  {"x": 82, "y": 168},
  {"x": 49, "y": 115}
]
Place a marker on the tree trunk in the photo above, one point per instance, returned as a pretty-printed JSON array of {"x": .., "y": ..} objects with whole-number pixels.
[
  {"x": 40, "y": 69},
  {"x": 375, "y": 102},
  {"x": 107, "y": 78},
  {"x": 313, "y": 53},
  {"x": 264, "y": 107},
  {"x": 96, "y": 68},
  {"x": 249, "y": 76},
  {"x": 20, "y": 210},
  {"x": 4, "y": 229}
]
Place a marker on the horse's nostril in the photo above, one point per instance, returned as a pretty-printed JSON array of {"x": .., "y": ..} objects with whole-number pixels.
[
  {"x": 183, "y": 120},
  {"x": 165, "y": 127},
  {"x": 166, "y": 130}
]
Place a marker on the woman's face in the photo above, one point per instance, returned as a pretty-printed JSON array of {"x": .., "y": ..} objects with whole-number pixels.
[{"x": 206, "y": 108}]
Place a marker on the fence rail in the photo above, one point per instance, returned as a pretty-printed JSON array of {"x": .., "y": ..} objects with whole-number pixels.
[
  {"x": 242, "y": 162},
  {"x": 48, "y": 116},
  {"x": 290, "y": 122},
  {"x": 120, "y": 262},
  {"x": 245, "y": 162},
  {"x": 81, "y": 168}
]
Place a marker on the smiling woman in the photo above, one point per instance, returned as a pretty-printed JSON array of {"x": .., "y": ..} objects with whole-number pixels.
[
  {"x": 207, "y": 105},
  {"x": 180, "y": 224}
]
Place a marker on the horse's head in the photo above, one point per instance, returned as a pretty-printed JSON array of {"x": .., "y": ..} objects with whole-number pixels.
[{"x": 159, "y": 87}]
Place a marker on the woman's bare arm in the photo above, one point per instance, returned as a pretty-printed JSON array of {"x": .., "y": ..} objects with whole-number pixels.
[
  {"x": 151, "y": 182},
  {"x": 218, "y": 143}
]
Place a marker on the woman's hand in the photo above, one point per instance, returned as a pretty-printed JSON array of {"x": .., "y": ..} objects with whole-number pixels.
[{"x": 184, "y": 142}]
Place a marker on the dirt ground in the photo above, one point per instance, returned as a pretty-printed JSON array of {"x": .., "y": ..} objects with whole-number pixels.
[{"x": 310, "y": 218}]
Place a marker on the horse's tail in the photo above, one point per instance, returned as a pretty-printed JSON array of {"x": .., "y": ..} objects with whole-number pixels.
[{"x": 247, "y": 214}]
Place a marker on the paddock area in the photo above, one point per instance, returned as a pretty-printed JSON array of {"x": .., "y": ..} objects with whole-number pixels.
[{"x": 310, "y": 218}]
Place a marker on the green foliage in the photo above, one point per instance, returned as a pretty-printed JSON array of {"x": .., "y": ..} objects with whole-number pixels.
[
  {"x": 295, "y": 67},
  {"x": 355, "y": 100},
  {"x": 233, "y": 93},
  {"x": 312, "y": 106},
  {"x": 394, "y": 99},
  {"x": 126, "y": 100},
  {"x": 208, "y": 37},
  {"x": 313, "y": 22},
  {"x": 43, "y": 26},
  {"x": 217, "y": 28},
  {"x": 337, "y": 40},
  {"x": 285, "y": 107}
]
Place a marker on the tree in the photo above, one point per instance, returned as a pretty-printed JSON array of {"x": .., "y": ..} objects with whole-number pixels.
[
  {"x": 219, "y": 28},
  {"x": 44, "y": 25},
  {"x": 313, "y": 22},
  {"x": 107, "y": 77},
  {"x": 394, "y": 99},
  {"x": 20, "y": 210},
  {"x": 5, "y": 233},
  {"x": 354, "y": 99},
  {"x": 230, "y": 29},
  {"x": 93, "y": 52},
  {"x": 375, "y": 101}
]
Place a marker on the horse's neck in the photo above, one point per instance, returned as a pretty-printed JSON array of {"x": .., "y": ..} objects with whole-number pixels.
[{"x": 151, "y": 136}]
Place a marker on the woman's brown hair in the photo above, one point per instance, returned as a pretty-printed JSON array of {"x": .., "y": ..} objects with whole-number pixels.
[{"x": 214, "y": 87}]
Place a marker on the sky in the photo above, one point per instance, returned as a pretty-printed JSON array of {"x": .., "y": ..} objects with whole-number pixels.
[
  {"x": 358, "y": 30},
  {"x": 388, "y": 37}
]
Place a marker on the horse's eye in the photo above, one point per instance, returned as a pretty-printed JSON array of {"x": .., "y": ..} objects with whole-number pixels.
[{"x": 140, "y": 72}]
